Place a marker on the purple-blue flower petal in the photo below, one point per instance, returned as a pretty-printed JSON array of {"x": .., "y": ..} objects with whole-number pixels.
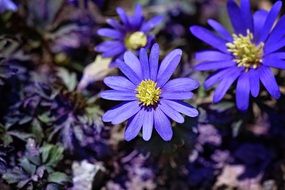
[
  {"x": 209, "y": 38},
  {"x": 254, "y": 82},
  {"x": 121, "y": 112},
  {"x": 215, "y": 78},
  {"x": 153, "y": 61},
  {"x": 110, "y": 33},
  {"x": 277, "y": 33},
  {"x": 162, "y": 125},
  {"x": 180, "y": 84},
  {"x": 148, "y": 124},
  {"x": 134, "y": 63},
  {"x": 144, "y": 63},
  {"x": 236, "y": 18},
  {"x": 225, "y": 84},
  {"x": 170, "y": 112},
  {"x": 268, "y": 80},
  {"x": 259, "y": 18},
  {"x": 114, "y": 51},
  {"x": 212, "y": 56},
  {"x": 182, "y": 107},
  {"x": 173, "y": 95},
  {"x": 118, "y": 95},
  {"x": 168, "y": 66},
  {"x": 115, "y": 24},
  {"x": 119, "y": 83},
  {"x": 134, "y": 126},
  {"x": 246, "y": 14},
  {"x": 220, "y": 29},
  {"x": 213, "y": 65},
  {"x": 128, "y": 72},
  {"x": 137, "y": 18},
  {"x": 274, "y": 61},
  {"x": 242, "y": 91},
  {"x": 274, "y": 47},
  {"x": 150, "y": 24},
  {"x": 123, "y": 16},
  {"x": 271, "y": 17}
]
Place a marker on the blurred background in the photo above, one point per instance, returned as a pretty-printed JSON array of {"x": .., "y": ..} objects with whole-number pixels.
[{"x": 51, "y": 133}]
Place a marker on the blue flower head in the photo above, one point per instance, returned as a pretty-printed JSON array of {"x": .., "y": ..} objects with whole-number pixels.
[
  {"x": 150, "y": 98},
  {"x": 132, "y": 33},
  {"x": 7, "y": 5},
  {"x": 247, "y": 55}
]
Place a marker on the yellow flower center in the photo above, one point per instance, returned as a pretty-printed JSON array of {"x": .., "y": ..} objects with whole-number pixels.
[
  {"x": 247, "y": 53},
  {"x": 148, "y": 93},
  {"x": 135, "y": 40}
]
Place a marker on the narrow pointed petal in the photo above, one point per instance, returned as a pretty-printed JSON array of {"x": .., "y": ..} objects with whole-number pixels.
[
  {"x": 221, "y": 30},
  {"x": 236, "y": 18},
  {"x": 168, "y": 66},
  {"x": 214, "y": 65},
  {"x": 128, "y": 72},
  {"x": 182, "y": 107},
  {"x": 209, "y": 38},
  {"x": 215, "y": 78},
  {"x": 149, "y": 25},
  {"x": 242, "y": 92},
  {"x": 133, "y": 62},
  {"x": 212, "y": 56},
  {"x": 121, "y": 112},
  {"x": 119, "y": 83},
  {"x": 145, "y": 63},
  {"x": 162, "y": 125},
  {"x": 170, "y": 112},
  {"x": 259, "y": 18},
  {"x": 254, "y": 82},
  {"x": 123, "y": 16},
  {"x": 115, "y": 24},
  {"x": 177, "y": 95},
  {"x": 148, "y": 124},
  {"x": 268, "y": 80},
  {"x": 134, "y": 126},
  {"x": 246, "y": 14},
  {"x": 110, "y": 33},
  {"x": 180, "y": 85},
  {"x": 118, "y": 95},
  {"x": 274, "y": 61},
  {"x": 153, "y": 61}
]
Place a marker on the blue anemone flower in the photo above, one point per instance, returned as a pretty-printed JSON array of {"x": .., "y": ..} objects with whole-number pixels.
[
  {"x": 132, "y": 33},
  {"x": 247, "y": 55},
  {"x": 150, "y": 98},
  {"x": 7, "y": 5}
]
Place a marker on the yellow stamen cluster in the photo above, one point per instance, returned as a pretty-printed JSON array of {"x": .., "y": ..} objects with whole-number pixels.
[
  {"x": 135, "y": 40},
  {"x": 148, "y": 93},
  {"x": 247, "y": 54}
]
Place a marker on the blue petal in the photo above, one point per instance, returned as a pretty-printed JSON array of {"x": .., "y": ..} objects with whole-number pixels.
[
  {"x": 272, "y": 16},
  {"x": 259, "y": 18},
  {"x": 221, "y": 30},
  {"x": 134, "y": 126},
  {"x": 180, "y": 84},
  {"x": 144, "y": 63},
  {"x": 115, "y": 24},
  {"x": 121, "y": 112},
  {"x": 108, "y": 45},
  {"x": 149, "y": 25},
  {"x": 236, "y": 18},
  {"x": 113, "y": 52},
  {"x": 182, "y": 107},
  {"x": 168, "y": 66},
  {"x": 137, "y": 18},
  {"x": 274, "y": 61},
  {"x": 110, "y": 33},
  {"x": 119, "y": 83},
  {"x": 277, "y": 33},
  {"x": 170, "y": 112},
  {"x": 212, "y": 56},
  {"x": 274, "y": 47},
  {"x": 118, "y": 95},
  {"x": 176, "y": 95},
  {"x": 148, "y": 124},
  {"x": 225, "y": 84},
  {"x": 128, "y": 72},
  {"x": 268, "y": 80},
  {"x": 123, "y": 15},
  {"x": 153, "y": 61},
  {"x": 162, "y": 125},
  {"x": 254, "y": 82},
  {"x": 209, "y": 38},
  {"x": 242, "y": 91},
  {"x": 133, "y": 62},
  {"x": 246, "y": 14},
  {"x": 213, "y": 65},
  {"x": 215, "y": 78}
]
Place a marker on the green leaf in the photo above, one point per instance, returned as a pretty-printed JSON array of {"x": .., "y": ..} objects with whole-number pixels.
[
  {"x": 58, "y": 177},
  {"x": 51, "y": 154}
]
